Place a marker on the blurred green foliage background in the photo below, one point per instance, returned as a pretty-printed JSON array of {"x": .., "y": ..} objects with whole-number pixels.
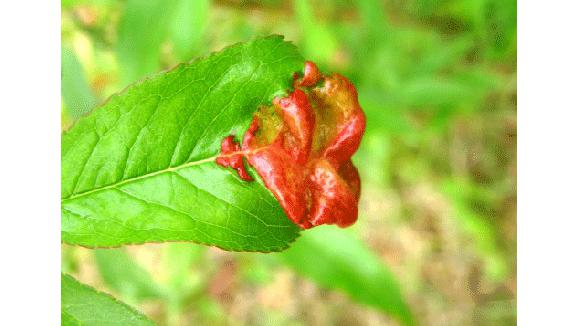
[{"x": 435, "y": 243}]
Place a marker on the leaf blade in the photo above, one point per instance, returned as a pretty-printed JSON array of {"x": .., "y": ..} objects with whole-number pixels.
[
  {"x": 138, "y": 52},
  {"x": 141, "y": 168},
  {"x": 123, "y": 274},
  {"x": 83, "y": 305},
  {"x": 336, "y": 259},
  {"x": 77, "y": 95},
  {"x": 188, "y": 27}
]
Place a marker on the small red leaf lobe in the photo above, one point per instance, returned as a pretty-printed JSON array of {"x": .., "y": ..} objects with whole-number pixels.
[{"x": 230, "y": 157}]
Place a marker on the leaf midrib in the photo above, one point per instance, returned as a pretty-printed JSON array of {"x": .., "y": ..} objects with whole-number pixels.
[{"x": 158, "y": 172}]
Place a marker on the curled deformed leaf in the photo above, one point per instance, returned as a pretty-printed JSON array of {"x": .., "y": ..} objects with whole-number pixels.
[
  {"x": 302, "y": 147},
  {"x": 139, "y": 168}
]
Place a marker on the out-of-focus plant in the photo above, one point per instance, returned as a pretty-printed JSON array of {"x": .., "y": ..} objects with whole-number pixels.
[{"x": 435, "y": 79}]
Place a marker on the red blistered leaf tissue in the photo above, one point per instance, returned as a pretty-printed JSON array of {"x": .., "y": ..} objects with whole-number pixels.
[{"x": 301, "y": 147}]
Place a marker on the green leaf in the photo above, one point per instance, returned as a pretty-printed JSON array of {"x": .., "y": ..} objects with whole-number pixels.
[
  {"x": 68, "y": 320},
  {"x": 122, "y": 274},
  {"x": 188, "y": 27},
  {"x": 76, "y": 92},
  {"x": 142, "y": 29},
  {"x": 428, "y": 92},
  {"x": 141, "y": 167},
  {"x": 83, "y": 305},
  {"x": 335, "y": 259}
]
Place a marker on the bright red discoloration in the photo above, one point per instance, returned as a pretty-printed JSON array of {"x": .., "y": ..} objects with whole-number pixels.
[
  {"x": 299, "y": 117},
  {"x": 311, "y": 74},
  {"x": 306, "y": 161},
  {"x": 230, "y": 157}
]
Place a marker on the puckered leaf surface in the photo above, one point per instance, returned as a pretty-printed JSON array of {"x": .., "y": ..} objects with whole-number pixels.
[
  {"x": 141, "y": 167},
  {"x": 83, "y": 305}
]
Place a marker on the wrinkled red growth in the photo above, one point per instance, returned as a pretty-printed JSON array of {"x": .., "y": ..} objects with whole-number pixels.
[
  {"x": 307, "y": 165},
  {"x": 231, "y": 157}
]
